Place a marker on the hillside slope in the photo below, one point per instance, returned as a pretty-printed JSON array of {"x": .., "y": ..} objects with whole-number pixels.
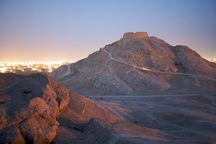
[{"x": 136, "y": 65}]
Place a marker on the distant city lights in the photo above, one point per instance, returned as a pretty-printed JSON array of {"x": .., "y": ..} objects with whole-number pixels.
[
  {"x": 30, "y": 67},
  {"x": 212, "y": 60}
]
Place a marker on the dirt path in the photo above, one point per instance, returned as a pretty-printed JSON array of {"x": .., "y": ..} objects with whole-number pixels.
[{"x": 154, "y": 71}]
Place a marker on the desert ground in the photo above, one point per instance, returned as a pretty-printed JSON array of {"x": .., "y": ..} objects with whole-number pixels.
[{"x": 188, "y": 118}]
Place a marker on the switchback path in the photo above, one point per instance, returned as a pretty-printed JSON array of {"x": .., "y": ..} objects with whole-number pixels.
[{"x": 154, "y": 71}]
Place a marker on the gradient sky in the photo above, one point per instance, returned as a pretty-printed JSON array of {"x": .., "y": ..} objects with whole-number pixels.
[{"x": 43, "y": 30}]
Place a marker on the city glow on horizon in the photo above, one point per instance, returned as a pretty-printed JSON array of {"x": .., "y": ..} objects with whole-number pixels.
[
  {"x": 212, "y": 60},
  {"x": 31, "y": 66},
  {"x": 35, "y": 62}
]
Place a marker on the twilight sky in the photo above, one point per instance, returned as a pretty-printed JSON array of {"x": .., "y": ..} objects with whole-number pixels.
[{"x": 47, "y": 30}]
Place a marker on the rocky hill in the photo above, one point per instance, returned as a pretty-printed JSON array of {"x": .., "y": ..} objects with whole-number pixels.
[{"x": 138, "y": 64}]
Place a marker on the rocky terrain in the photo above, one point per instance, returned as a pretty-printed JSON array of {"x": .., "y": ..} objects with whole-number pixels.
[
  {"x": 138, "y": 64},
  {"x": 37, "y": 109},
  {"x": 186, "y": 119}
]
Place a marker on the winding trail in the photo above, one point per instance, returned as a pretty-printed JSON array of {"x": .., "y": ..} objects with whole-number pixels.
[
  {"x": 154, "y": 71},
  {"x": 150, "y": 95}
]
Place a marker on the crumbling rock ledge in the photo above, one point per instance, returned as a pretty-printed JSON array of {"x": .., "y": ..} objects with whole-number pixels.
[{"x": 31, "y": 106}]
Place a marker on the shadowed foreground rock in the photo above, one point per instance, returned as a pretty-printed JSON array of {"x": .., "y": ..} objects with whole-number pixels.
[
  {"x": 29, "y": 108},
  {"x": 37, "y": 109},
  {"x": 31, "y": 105}
]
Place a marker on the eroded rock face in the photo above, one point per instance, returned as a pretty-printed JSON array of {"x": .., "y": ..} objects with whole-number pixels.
[
  {"x": 32, "y": 108},
  {"x": 29, "y": 108}
]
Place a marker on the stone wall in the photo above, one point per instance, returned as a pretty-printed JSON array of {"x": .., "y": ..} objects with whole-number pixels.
[{"x": 136, "y": 35}]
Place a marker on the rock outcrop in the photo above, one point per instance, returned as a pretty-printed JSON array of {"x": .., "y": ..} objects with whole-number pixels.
[
  {"x": 138, "y": 64},
  {"x": 31, "y": 106},
  {"x": 36, "y": 109}
]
